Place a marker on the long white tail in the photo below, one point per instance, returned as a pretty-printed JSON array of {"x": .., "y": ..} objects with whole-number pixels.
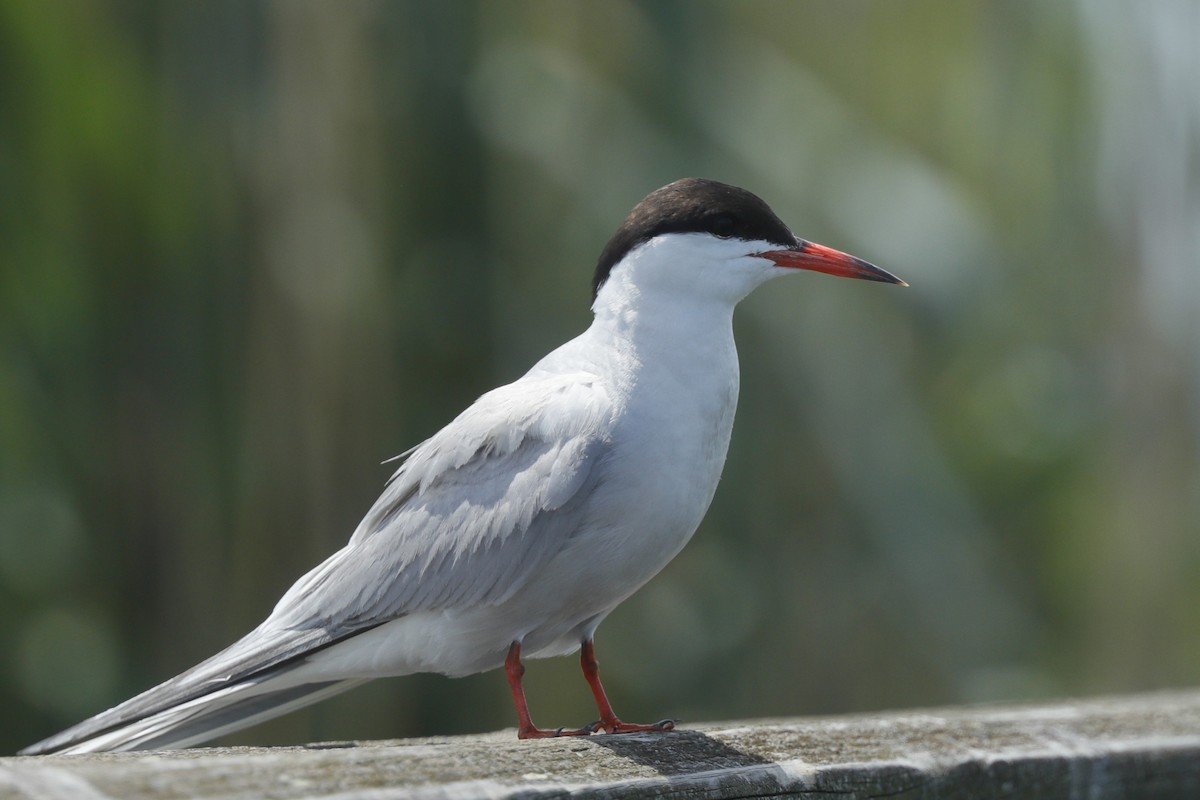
[
  {"x": 258, "y": 678},
  {"x": 206, "y": 718}
]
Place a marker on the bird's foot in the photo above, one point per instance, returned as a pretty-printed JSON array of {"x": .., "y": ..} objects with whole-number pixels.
[
  {"x": 599, "y": 726},
  {"x": 615, "y": 725},
  {"x": 533, "y": 732}
]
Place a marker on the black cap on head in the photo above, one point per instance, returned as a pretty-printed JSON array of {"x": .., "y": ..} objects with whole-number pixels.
[{"x": 693, "y": 205}]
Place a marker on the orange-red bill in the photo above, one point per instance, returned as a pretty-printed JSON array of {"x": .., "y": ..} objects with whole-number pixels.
[{"x": 819, "y": 258}]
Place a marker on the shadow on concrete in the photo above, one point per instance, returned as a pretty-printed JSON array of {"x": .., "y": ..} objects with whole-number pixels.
[{"x": 677, "y": 752}]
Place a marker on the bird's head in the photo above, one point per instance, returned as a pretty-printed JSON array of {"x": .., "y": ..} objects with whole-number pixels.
[{"x": 708, "y": 239}]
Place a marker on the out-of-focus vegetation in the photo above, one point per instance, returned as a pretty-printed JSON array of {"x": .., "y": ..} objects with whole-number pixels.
[{"x": 248, "y": 251}]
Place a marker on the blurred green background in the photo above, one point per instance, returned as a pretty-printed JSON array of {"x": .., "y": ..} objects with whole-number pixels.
[{"x": 250, "y": 250}]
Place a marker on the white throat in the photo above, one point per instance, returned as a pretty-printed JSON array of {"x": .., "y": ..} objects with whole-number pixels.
[{"x": 679, "y": 287}]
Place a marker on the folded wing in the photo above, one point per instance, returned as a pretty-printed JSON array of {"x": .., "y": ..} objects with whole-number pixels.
[{"x": 467, "y": 519}]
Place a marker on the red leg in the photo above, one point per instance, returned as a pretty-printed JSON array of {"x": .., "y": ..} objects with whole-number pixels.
[
  {"x": 515, "y": 670},
  {"x": 608, "y": 718}
]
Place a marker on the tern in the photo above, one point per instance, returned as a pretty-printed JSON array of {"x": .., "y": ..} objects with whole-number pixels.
[{"x": 516, "y": 529}]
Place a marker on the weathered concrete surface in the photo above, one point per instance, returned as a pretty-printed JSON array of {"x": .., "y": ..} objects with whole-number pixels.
[{"x": 1129, "y": 747}]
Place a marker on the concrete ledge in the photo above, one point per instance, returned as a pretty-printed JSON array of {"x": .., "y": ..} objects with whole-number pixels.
[{"x": 1127, "y": 747}]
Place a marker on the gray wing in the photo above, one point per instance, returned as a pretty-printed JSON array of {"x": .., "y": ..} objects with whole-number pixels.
[
  {"x": 256, "y": 657},
  {"x": 469, "y": 518}
]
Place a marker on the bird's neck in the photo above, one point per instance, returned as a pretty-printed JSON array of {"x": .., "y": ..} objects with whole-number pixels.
[
  {"x": 673, "y": 296},
  {"x": 649, "y": 329},
  {"x": 654, "y": 319},
  {"x": 673, "y": 365}
]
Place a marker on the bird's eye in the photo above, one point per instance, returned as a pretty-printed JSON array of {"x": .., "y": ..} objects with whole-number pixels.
[{"x": 722, "y": 225}]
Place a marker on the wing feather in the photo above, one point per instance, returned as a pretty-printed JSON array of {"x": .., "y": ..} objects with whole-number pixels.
[
  {"x": 251, "y": 656},
  {"x": 472, "y": 513},
  {"x": 468, "y": 518}
]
